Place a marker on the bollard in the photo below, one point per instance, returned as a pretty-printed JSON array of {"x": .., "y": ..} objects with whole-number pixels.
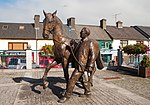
[{"x": 28, "y": 58}]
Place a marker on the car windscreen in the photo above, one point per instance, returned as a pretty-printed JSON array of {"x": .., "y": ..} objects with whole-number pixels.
[
  {"x": 13, "y": 62},
  {"x": 23, "y": 61}
]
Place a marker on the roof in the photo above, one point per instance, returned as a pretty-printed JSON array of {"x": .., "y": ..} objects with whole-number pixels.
[
  {"x": 97, "y": 32},
  {"x": 71, "y": 33},
  {"x": 26, "y": 31},
  {"x": 125, "y": 33},
  {"x": 144, "y": 30},
  {"x": 17, "y": 31},
  {"x": 66, "y": 32}
]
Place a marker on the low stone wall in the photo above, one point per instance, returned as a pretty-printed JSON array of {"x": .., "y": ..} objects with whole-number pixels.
[{"x": 124, "y": 68}]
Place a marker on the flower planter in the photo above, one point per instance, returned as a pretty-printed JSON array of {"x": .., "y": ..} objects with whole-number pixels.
[{"x": 144, "y": 72}]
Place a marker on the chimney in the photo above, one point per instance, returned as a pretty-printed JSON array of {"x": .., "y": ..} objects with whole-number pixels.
[
  {"x": 36, "y": 21},
  {"x": 119, "y": 24},
  {"x": 71, "y": 22},
  {"x": 103, "y": 24}
]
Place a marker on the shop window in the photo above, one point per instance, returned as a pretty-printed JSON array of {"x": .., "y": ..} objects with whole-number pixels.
[
  {"x": 17, "y": 45},
  {"x": 5, "y": 27},
  {"x": 21, "y": 27},
  {"x": 105, "y": 45}
]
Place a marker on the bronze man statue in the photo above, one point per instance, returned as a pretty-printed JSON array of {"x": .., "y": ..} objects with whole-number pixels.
[{"x": 86, "y": 56}]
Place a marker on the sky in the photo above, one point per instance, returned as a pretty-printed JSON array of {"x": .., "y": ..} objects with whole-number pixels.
[{"x": 87, "y": 12}]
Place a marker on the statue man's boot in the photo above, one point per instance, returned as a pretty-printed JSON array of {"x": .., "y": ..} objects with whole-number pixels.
[
  {"x": 65, "y": 98},
  {"x": 87, "y": 92},
  {"x": 71, "y": 84}
]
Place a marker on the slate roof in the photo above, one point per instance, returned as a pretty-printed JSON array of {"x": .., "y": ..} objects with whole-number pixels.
[
  {"x": 97, "y": 32},
  {"x": 71, "y": 33},
  {"x": 144, "y": 30},
  {"x": 17, "y": 31},
  {"x": 65, "y": 29},
  {"x": 125, "y": 33}
]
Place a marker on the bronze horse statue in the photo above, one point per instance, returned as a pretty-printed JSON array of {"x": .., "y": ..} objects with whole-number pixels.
[{"x": 52, "y": 25}]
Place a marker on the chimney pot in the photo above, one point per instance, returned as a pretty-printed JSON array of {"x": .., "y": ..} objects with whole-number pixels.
[
  {"x": 119, "y": 24},
  {"x": 103, "y": 24},
  {"x": 36, "y": 21},
  {"x": 71, "y": 22}
]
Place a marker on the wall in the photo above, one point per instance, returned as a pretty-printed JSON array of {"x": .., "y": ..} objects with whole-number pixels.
[
  {"x": 116, "y": 44},
  {"x": 40, "y": 43},
  {"x": 131, "y": 42},
  {"x": 5, "y": 43},
  {"x": 43, "y": 42}
]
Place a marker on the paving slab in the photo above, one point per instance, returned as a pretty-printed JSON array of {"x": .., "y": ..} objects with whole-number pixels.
[{"x": 110, "y": 88}]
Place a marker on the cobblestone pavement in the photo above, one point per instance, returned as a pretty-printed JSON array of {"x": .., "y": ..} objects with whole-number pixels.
[{"x": 23, "y": 87}]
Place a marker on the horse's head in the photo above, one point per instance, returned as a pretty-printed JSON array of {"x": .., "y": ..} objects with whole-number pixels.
[{"x": 49, "y": 23}]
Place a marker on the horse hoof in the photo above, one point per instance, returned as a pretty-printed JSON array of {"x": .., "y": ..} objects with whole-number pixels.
[
  {"x": 63, "y": 93},
  {"x": 45, "y": 85},
  {"x": 63, "y": 99}
]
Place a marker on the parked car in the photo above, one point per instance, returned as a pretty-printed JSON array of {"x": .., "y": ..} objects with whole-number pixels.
[
  {"x": 44, "y": 62},
  {"x": 2, "y": 67},
  {"x": 17, "y": 63}
]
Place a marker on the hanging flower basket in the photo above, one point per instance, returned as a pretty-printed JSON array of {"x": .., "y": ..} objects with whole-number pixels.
[{"x": 135, "y": 49}]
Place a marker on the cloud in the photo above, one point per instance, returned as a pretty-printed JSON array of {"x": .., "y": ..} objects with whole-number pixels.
[{"x": 131, "y": 12}]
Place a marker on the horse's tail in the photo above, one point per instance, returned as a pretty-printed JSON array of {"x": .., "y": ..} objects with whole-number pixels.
[{"x": 99, "y": 62}]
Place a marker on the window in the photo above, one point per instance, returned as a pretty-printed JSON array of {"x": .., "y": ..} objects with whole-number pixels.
[
  {"x": 105, "y": 45},
  {"x": 17, "y": 45},
  {"x": 21, "y": 27},
  {"x": 123, "y": 43},
  {"x": 5, "y": 27}
]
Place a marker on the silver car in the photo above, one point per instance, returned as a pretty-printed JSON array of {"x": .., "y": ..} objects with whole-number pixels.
[{"x": 17, "y": 63}]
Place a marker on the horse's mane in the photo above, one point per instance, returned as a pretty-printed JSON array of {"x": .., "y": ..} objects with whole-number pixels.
[{"x": 59, "y": 22}]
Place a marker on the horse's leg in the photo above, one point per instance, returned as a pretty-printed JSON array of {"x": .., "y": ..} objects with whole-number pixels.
[
  {"x": 65, "y": 64},
  {"x": 45, "y": 84}
]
